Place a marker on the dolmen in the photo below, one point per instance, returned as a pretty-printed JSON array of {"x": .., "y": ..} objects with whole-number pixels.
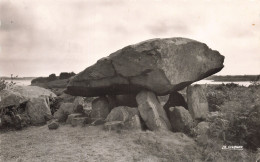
[{"x": 146, "y": 70}]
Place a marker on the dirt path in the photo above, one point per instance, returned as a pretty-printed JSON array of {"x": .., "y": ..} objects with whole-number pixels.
[{"x": 89, "y": 144}]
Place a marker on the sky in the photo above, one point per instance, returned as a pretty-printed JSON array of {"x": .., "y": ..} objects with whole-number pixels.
[{"x": 41, "y": 37}]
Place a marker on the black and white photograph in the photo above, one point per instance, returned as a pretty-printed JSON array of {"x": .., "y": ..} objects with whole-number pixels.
[{"x": 129, "y": 81}]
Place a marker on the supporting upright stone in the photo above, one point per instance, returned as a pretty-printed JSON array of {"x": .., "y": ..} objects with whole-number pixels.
[
  {"x": 152, "y": 111},
  {"x": 100, "y": 108},
  {"x": 197, "y": 102}
]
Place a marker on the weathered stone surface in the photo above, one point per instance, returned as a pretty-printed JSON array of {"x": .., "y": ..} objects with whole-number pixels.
[
  {"x": 100, "y": 108},
  {"x": 53, "y": 125},
  {"x": 180, "y": 119},
  {"x": 10, "y": 98},
  {"x": 38, "y": 110},
  {"x": 72, "y": 116},
  {"x": 152, "y": 111},
  {"x": 33, "y": 91},
  {"x": 129, "y": 116},
  {"x": 159, "y": 65},
  {"x": 197, "y": 102},
  {"x": 65, "y": 109}
]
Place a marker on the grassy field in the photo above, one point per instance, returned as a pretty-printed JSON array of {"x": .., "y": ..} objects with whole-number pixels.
[{"x": 94, "y": 144}]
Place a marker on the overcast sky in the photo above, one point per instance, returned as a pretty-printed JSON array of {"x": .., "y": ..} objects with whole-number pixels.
[{"x": 41, "y": 37}]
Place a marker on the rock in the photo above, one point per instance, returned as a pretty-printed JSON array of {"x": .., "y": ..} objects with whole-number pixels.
[
  {"x": 79, "y": 101},
  {"x": 53, "y": 125},
  {"x": 10, "y": 98},
  {"x": 180, "y": 118},
  {"x": 197, "y": 102},
  {"x": 152, "y": 111},
  {"x": 159, "y": 65},
  {"x": 62, "y": 113},
  {"x": 79, "y": 121},
  {"x": 67, "y": 98},
  {"x": 72, "y": 116},
  {"x": 100, "y": 108},
  {"x": 38, "y": 110},
  {"x": 32, "y": 91},
  {"x": 129, "y": 116},
  {"x": 79, "y": 105}
]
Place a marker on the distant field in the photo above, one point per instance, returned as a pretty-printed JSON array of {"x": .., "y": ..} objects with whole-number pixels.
[{"x": 234, "y": 78}]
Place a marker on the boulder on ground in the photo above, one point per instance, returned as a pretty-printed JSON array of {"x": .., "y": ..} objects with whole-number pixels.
[
  {"x": 38, "y": 110},
  {"x": 197, "y": 102},
  {"x": 32, "y": 91},
  {"x": 53, "y": 125},
  {"x": 129, "y": 116},
  {"x": 159, "y": 65},
  {"x": 10, "y": 98},
  {"x": 62, "y": 113},
  {"x": 100, "y": 108},
  {"x": 152, "y": 111},
  {"x": 180, "y": 119}
]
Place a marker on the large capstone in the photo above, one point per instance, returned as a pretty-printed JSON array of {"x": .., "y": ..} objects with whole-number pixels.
[{"x": 159, "y": 65}]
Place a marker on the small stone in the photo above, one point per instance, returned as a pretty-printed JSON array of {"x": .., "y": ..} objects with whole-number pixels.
[{"x": 53, "y": 125}]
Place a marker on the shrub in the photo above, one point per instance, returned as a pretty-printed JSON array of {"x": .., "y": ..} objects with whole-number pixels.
[
  {"x": 52, "y": 77},
  {"x": 7, "y": 85},
  {"x": 2, "y": 84},
  {"x": 39, "y": 80},
  {"x": 65, "y": 75}
]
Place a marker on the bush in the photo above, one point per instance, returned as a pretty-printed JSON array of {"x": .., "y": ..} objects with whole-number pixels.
[
  {"x": 52, "y": 77},
  {"x": 39, "y": 80},
  {"x": 2, "y": 84},
  {"x": 65, "y": 75}
]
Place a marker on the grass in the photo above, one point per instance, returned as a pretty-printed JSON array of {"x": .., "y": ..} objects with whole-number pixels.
[{"x": 94, "y": 144}]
